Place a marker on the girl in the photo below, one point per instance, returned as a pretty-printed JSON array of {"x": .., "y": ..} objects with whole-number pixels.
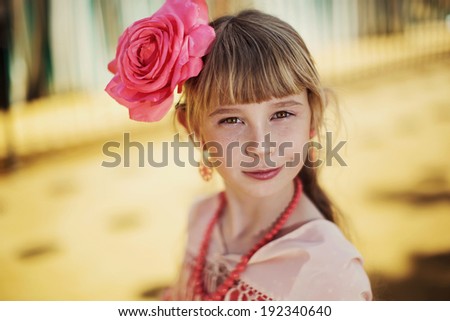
[{"x": 270, "y": 235}]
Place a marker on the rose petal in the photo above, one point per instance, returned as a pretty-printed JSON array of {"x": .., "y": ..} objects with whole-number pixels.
[
  {"x": 148, "y": 112},
  {"x": 112, "y": 66},
  {"x": 183, "y": 58},
  {"x": 117, "y": 90},
  {"x": 202, "y": 11},
  {"x": 199, "y": 40},
  {"x": 190, "y": 12},
  {"x": 170, "y": 43},
  {"x": 191, "y": 69},
  {"x": 151, "y": 107}
]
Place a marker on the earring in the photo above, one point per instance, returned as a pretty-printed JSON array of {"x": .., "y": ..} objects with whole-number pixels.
[
  {"x": 205, "y": 171},
  {"x": 312, "y": 154}
]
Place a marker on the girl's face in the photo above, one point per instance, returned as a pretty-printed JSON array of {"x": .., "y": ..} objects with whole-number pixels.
[{"x": 252, "y": 137}]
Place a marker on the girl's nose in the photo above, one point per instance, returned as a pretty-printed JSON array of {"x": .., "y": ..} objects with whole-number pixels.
[{"x": 261, "y": 145}]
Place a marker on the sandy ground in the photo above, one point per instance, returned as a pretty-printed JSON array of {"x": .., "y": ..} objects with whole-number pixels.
[{"x": 72, "y": 229}]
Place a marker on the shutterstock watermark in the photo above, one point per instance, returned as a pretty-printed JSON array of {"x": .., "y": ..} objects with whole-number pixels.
[{"x": 119, "y": 153}]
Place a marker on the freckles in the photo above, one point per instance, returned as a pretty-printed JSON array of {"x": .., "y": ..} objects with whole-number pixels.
[
  {"x": 224, "y": 147},
  {"x": 221, "y": 135},
  {"x": 290, "y": 145},
  {"x": 293, "y": 129}
]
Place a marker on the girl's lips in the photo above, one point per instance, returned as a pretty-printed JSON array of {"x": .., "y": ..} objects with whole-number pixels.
[{"x": 264, "y": 175}]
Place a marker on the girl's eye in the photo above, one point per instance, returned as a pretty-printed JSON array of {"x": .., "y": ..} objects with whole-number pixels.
[
  {"x": 282, "y": 114},
  {"x": 229, "y": 120}
]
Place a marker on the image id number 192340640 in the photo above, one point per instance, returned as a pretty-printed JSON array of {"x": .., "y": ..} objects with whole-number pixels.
[{"x": 269, "y": 311}]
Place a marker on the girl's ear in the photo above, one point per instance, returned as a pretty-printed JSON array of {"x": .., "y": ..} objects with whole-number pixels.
[
  {"x": 312, "y": 132},
  {"x": 181, "y": 116}
]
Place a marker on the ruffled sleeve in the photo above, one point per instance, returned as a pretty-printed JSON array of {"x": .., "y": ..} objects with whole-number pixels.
[
  {"x": 315, "y": 262},
  {"x": 334, "y": 270},
  {"x": 347, "y": 282}
]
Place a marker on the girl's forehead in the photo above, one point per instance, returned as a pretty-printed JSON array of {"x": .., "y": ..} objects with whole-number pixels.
[{"x": 287, "y": 101}]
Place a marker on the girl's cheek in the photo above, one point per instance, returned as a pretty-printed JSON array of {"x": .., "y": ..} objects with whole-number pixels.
[{"x": 220, "y": 148}]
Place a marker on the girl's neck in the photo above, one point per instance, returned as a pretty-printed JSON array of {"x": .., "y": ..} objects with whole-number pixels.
[{"x": 247, "y": 218}]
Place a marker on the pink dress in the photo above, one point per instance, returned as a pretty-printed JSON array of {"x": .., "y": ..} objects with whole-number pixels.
[{"x": 312, "y": 262}]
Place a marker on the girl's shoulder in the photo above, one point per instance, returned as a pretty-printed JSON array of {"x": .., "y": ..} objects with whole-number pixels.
[
  {"x": 202, "y": 209},
  {"x": 320, "y": 239},
  {"x": 200, "y": 214},
  {"x": 334, "y": 269}
]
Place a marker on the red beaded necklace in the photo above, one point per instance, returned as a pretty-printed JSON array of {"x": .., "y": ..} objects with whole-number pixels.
[{"x": 240, "y": 267}]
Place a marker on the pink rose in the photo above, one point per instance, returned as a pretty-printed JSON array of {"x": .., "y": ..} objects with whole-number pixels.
[{"x": 157, "y": 54}]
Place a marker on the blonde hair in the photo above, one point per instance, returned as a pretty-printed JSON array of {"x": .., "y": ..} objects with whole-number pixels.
[{"x": 256, "y": 57}]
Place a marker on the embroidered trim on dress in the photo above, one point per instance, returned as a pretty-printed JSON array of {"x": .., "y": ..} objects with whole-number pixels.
[{"x": 215, "y": 274}]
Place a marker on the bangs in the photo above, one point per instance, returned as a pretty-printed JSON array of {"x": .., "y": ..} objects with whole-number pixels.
[{"x": 247, "y": 68}]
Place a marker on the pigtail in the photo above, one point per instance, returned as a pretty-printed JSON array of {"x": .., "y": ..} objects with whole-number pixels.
[{"x": 308, "y": 176}]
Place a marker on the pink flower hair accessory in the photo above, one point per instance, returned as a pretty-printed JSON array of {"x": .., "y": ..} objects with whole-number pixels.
[{"x": 156, "y": 54}]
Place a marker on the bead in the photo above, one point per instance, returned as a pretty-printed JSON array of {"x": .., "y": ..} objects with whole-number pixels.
[
  {"x": 222, "y": 291},
  {"x": 260, "y": 244},
  {"x": 240, "y": 268},
  {"x": 217, "y": 297}
]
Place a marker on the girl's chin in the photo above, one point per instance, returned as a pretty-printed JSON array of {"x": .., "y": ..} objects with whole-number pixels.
[{"x": 256, "y": 188}]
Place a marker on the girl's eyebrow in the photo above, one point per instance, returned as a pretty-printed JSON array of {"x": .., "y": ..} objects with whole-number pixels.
[
  {"x": 224, "y": 111},
  {"x": 280, "y": 104},
  {"x": 286, "y": 103}
]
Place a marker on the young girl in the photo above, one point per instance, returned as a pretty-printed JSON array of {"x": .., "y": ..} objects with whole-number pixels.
[{"x": 255, "y": 104}]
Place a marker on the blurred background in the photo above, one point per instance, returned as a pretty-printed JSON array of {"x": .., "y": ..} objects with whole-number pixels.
[{"x": 72, "y": 229}]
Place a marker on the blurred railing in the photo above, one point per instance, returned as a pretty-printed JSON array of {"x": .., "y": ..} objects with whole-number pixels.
[
  {"x": 63, "y": 46},
  {"x": 353, "y": 38}
]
